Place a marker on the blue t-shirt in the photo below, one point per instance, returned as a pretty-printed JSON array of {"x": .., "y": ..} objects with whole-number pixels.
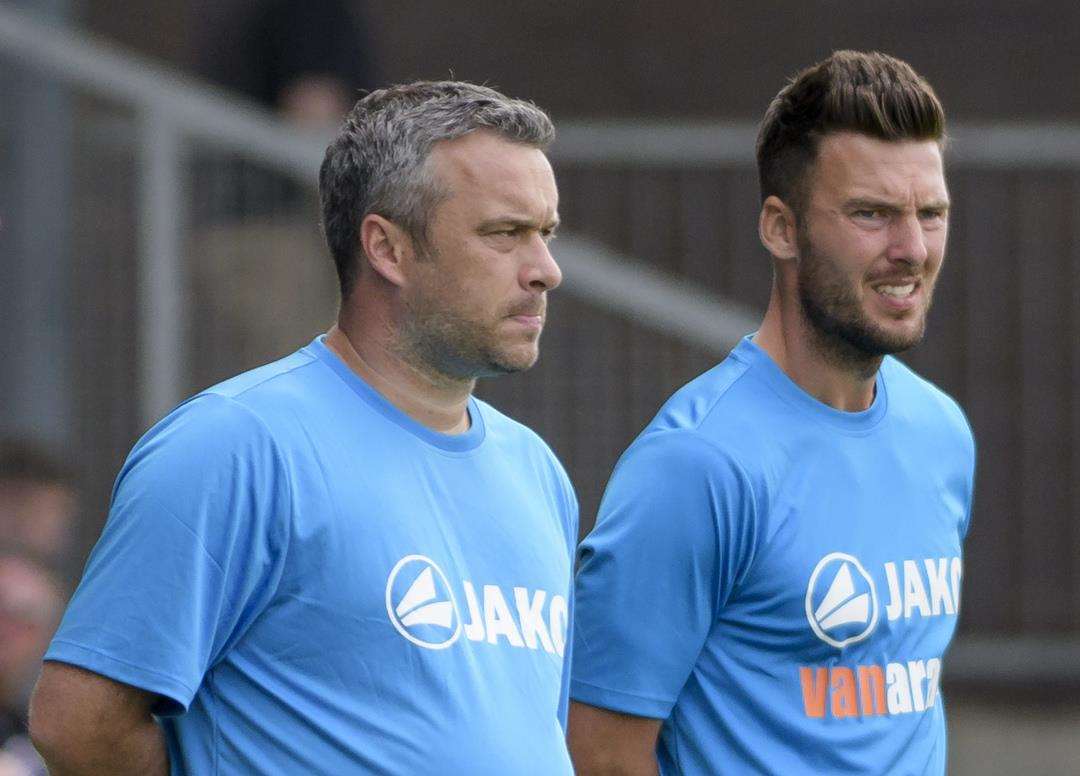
[
  {"x": 778, "y": 580},
  {"x": 316, "y": 583}
]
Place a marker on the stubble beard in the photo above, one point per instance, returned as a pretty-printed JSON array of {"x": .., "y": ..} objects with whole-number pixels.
[
  {"x": 842, "y": 330},
  {"x": 459, "y": 348},
  {"x": 447, "y": 344}
]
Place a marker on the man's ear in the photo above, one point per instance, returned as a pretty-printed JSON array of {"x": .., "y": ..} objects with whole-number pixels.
[
  {"x": 778, "y": 229},
  {"x": 385, "y": 246}
]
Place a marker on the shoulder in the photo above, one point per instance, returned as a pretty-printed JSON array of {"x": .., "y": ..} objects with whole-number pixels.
[
  {"x": 916, "y": 401},
  {"x": 288, "y": 380},
  {"x": 686, "y": 460},
  {"x": 210, "y": 444},
  {"x": 733, "y": 407},
  {"x": 231, "y": 426},
  {"x": 202, "y": 428},
  {"x": 719, "y": 424},
  {"x": 252, "y": 405},
  {"x": 711, "y": 393}
]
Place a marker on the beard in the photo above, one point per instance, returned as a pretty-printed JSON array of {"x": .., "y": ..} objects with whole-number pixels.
[
  {"x": 843, "y": 329},
  {"x": 461, "y": 348},
  {"x": 445, "y": 340}
]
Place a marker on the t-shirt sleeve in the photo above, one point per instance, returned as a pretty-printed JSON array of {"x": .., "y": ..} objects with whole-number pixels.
[
  {"x": 190, "y": 553},
  {"x": 673, "y": 535}
]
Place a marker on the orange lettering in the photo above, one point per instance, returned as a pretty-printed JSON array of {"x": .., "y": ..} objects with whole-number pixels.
[
  {"x": 843, "y": 693},
  {"x": 872, "y": 690},
  {"x": 813, "y": 682}
]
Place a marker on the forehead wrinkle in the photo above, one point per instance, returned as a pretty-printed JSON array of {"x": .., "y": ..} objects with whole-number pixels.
[
  {"x": 897, "y": 200},
  {"x": 516, "y": 205},
  {"x": 908, "y": 184},
  {"x": 522, "y": 220}
]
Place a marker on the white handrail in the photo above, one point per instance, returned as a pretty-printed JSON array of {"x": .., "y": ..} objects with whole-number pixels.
[
  {"x": 656, "y": 143},
  {"x": 198, "y": 111},
  {"x": 678, "y": 308},
  {"x": 714, "y": 144},
  {"x": 160, "y": 278},
  {"x": 175, "y": 110}
]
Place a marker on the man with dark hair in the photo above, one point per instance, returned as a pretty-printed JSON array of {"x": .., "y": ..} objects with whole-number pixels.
[
  {"x": 342, "y": 562},
  {"x": 775, "y": 572}
]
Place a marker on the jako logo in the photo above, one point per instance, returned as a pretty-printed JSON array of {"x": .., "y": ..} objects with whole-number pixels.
[
  {"x": 841, "y": 601},
  {"x": 421, "y": 604}
]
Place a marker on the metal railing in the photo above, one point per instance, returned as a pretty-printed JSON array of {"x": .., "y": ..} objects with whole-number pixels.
[{"x": 174, "y": 111}]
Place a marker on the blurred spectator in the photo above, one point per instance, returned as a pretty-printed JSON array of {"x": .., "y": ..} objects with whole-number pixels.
[
  {"x": 31, "y": 600},
  {"x": 307, "y": 59},
  {"x": 37, "y": 512},
  {"x": 37, "y": 499}
]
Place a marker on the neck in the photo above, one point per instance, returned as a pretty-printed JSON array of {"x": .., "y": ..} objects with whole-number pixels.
[
  {"x": 824, "y": 369},
  {"x": 438, "y": 402}
]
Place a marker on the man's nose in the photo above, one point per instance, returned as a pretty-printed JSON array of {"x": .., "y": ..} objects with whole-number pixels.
[
  {"x": 540, "y": 272},
  {"x": 908, "y": 240}
]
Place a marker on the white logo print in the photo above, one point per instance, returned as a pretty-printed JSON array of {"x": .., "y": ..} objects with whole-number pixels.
[
  {"x": 842, "y": 608},
  {"x": 421, "y": 604},
  {"x": 426, "y": 612}
]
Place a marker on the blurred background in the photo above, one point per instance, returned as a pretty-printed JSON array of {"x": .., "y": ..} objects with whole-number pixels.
[{"x": 159, "y": 232}]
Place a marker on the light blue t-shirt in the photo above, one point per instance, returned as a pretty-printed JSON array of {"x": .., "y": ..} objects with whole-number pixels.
[
  {"x": 317, "y": 584},
  {"x": 777, "y": 580}
]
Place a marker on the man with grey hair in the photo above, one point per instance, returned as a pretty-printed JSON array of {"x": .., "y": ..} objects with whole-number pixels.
[{"x": 342, "y": 562}]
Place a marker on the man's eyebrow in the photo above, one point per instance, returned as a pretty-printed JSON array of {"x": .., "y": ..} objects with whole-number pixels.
[
  {"x": 520, "y": 222},
  {"x": 867, "y": 203}
]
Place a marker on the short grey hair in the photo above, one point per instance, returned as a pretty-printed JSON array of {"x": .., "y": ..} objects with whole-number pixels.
[{"x": 378, "y": 161}]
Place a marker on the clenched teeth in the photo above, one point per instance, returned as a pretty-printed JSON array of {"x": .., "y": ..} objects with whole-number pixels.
[{"x": 897, "y": 291}]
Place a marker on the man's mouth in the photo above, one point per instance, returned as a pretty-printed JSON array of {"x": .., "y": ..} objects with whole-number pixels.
[
  {"x": 528, "y": 312},
  {"x": 896, "y": 291},
  {"x": 896, "y": 286},
  {"x": 529, "y": 320}
]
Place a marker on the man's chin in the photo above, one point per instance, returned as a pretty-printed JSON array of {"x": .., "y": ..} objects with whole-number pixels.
[
  {"x": 508, "y": 363},
  {"x": 517, "y": 363},
  {"x": 881, "y": 341}
]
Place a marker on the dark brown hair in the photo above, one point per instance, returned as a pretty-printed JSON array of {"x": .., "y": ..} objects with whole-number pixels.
[{"x": 870, "y": 93}]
